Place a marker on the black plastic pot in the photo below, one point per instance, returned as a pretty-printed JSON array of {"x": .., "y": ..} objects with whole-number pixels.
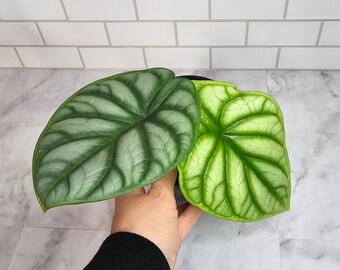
[{"x": 195, "y": 77}]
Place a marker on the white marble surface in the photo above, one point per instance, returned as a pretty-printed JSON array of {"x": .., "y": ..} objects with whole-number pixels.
[
  {"x": 307, "y": 237},
  {"x": 31, "y": 96},
  {"x": 309, "y": 100},
  {"x": 315, "y": 203},
  {"x": 246, "y": 80},
  {"x": 58, "y": 249},
  {"x": 217, "y": 251},
  {"x": 310, "y": 254}
]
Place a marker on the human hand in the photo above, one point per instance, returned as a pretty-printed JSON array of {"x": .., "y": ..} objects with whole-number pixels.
[{"x": 154, "y": 215}]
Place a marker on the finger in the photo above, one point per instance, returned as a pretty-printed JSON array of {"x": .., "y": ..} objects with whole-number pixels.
[
  {"x": 187, "y": 219},
  {"x": 165, "y": 185}
]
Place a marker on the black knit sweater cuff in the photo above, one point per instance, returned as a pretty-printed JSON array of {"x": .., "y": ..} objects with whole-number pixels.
[{"x": 128, "y": 251}]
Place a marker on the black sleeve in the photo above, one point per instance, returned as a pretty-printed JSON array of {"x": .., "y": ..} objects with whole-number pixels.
[{"x": 128, "y": 251}]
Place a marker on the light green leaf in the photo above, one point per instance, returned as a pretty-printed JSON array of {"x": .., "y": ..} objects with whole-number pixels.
[
  {"x": 239, "y": 168},
  {"x": 115, "y": 135}
]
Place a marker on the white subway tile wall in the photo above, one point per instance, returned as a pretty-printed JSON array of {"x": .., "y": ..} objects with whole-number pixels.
[
  {"x": 283, "y": 33},
  {"x": 202, "y": 34},
  {"x": 247, "y": 9},
  {"x": 130, "y": 58},
  {"x": 244, "y": 58},
  {"x": 51, "y": 57},
  {"x": 310, "y": 58},
  {"x": 172, "y": 9},
  {"x": 74, "y": 33},
  {"x": 314, "y": 9},
  {"x": 142, "y": 33},
  {"x": 178, "y": 57},
  {"x": 19, "y": 33},
  {"x": 211, "y": 33},
  {"x": 100, "y": 10},
  {"x": 330, "y": 34},
  {"x": 8, "y": 58},
  {"x": 31, "y": 10}
]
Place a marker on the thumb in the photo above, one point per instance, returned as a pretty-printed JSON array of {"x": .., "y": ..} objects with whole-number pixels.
[{"x": 187, "y": 219}]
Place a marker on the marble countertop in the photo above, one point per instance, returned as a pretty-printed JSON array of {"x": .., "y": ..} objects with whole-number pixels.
[{"x": 306, "y": 237}]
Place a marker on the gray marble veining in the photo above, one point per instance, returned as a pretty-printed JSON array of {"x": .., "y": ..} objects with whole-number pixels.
[
  {"x": 58, "y": 249},
  {"x": 309, "y": 100},
  {"x": 9, "y": 237},
  {"x": 31, "y": 96},
  {"x": 244, "y": 80},
  {"x": 16, "y": 146},
  {"x": 92, "y": 216},
  {"x": 87, "y": 76},
  {"x": 216, "y": 251},
  {"x": 265, "y": 228},
  {"x": 310, "y": 254},
  {"x": 306, "y": 237},
  {"x": 315, "y": 202}
]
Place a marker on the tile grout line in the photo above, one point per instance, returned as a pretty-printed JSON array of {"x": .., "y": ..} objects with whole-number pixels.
[
  {"x": 174, "y": 46},
  {"x": 107, "y": 34},
  {"x": 285, "y": 10},
  {"x": 267, "y": 88},
  {"x": 247, "y": 31},
  {"x": 310, "y": 239},
  {"x": 176, "y": 33},
  {"x": 144, "y": 56},
  {"x": 178, "y": 68},
  {"x": 280, "y": 251},
  {"x": 78, "y": 78},
  {"x": 136, "y": 9},
  {"x": 278, "y": 58},
  {"x": 210, "y": 57},
  {"x": 81, "y": 57},
  {"x": 279, "y": 238},
  {"x": 16, "y": 246},
  {"x": 191, "y": 21},
  {"x": 20, "y": 60},
  {"x": 68, "y": 228},
  {"x": 64, "y": 9},
  {"x": 209, "y": 10},
  {"x": 319, "y": 34},
  {"x": 40, "y": 33}
]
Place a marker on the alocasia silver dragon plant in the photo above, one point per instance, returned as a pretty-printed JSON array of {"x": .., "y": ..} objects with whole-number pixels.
[{"x": 128, "y": 130}]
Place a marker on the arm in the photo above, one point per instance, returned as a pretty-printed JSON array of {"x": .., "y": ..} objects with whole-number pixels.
[
  {"x": 124, "y": 250},
  {"x": 149, "y": 223}
]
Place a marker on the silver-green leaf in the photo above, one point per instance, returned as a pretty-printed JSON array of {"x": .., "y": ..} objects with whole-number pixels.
[
  {"x": 239, "y": 167},
  {"x": 115, "y": 135}
]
